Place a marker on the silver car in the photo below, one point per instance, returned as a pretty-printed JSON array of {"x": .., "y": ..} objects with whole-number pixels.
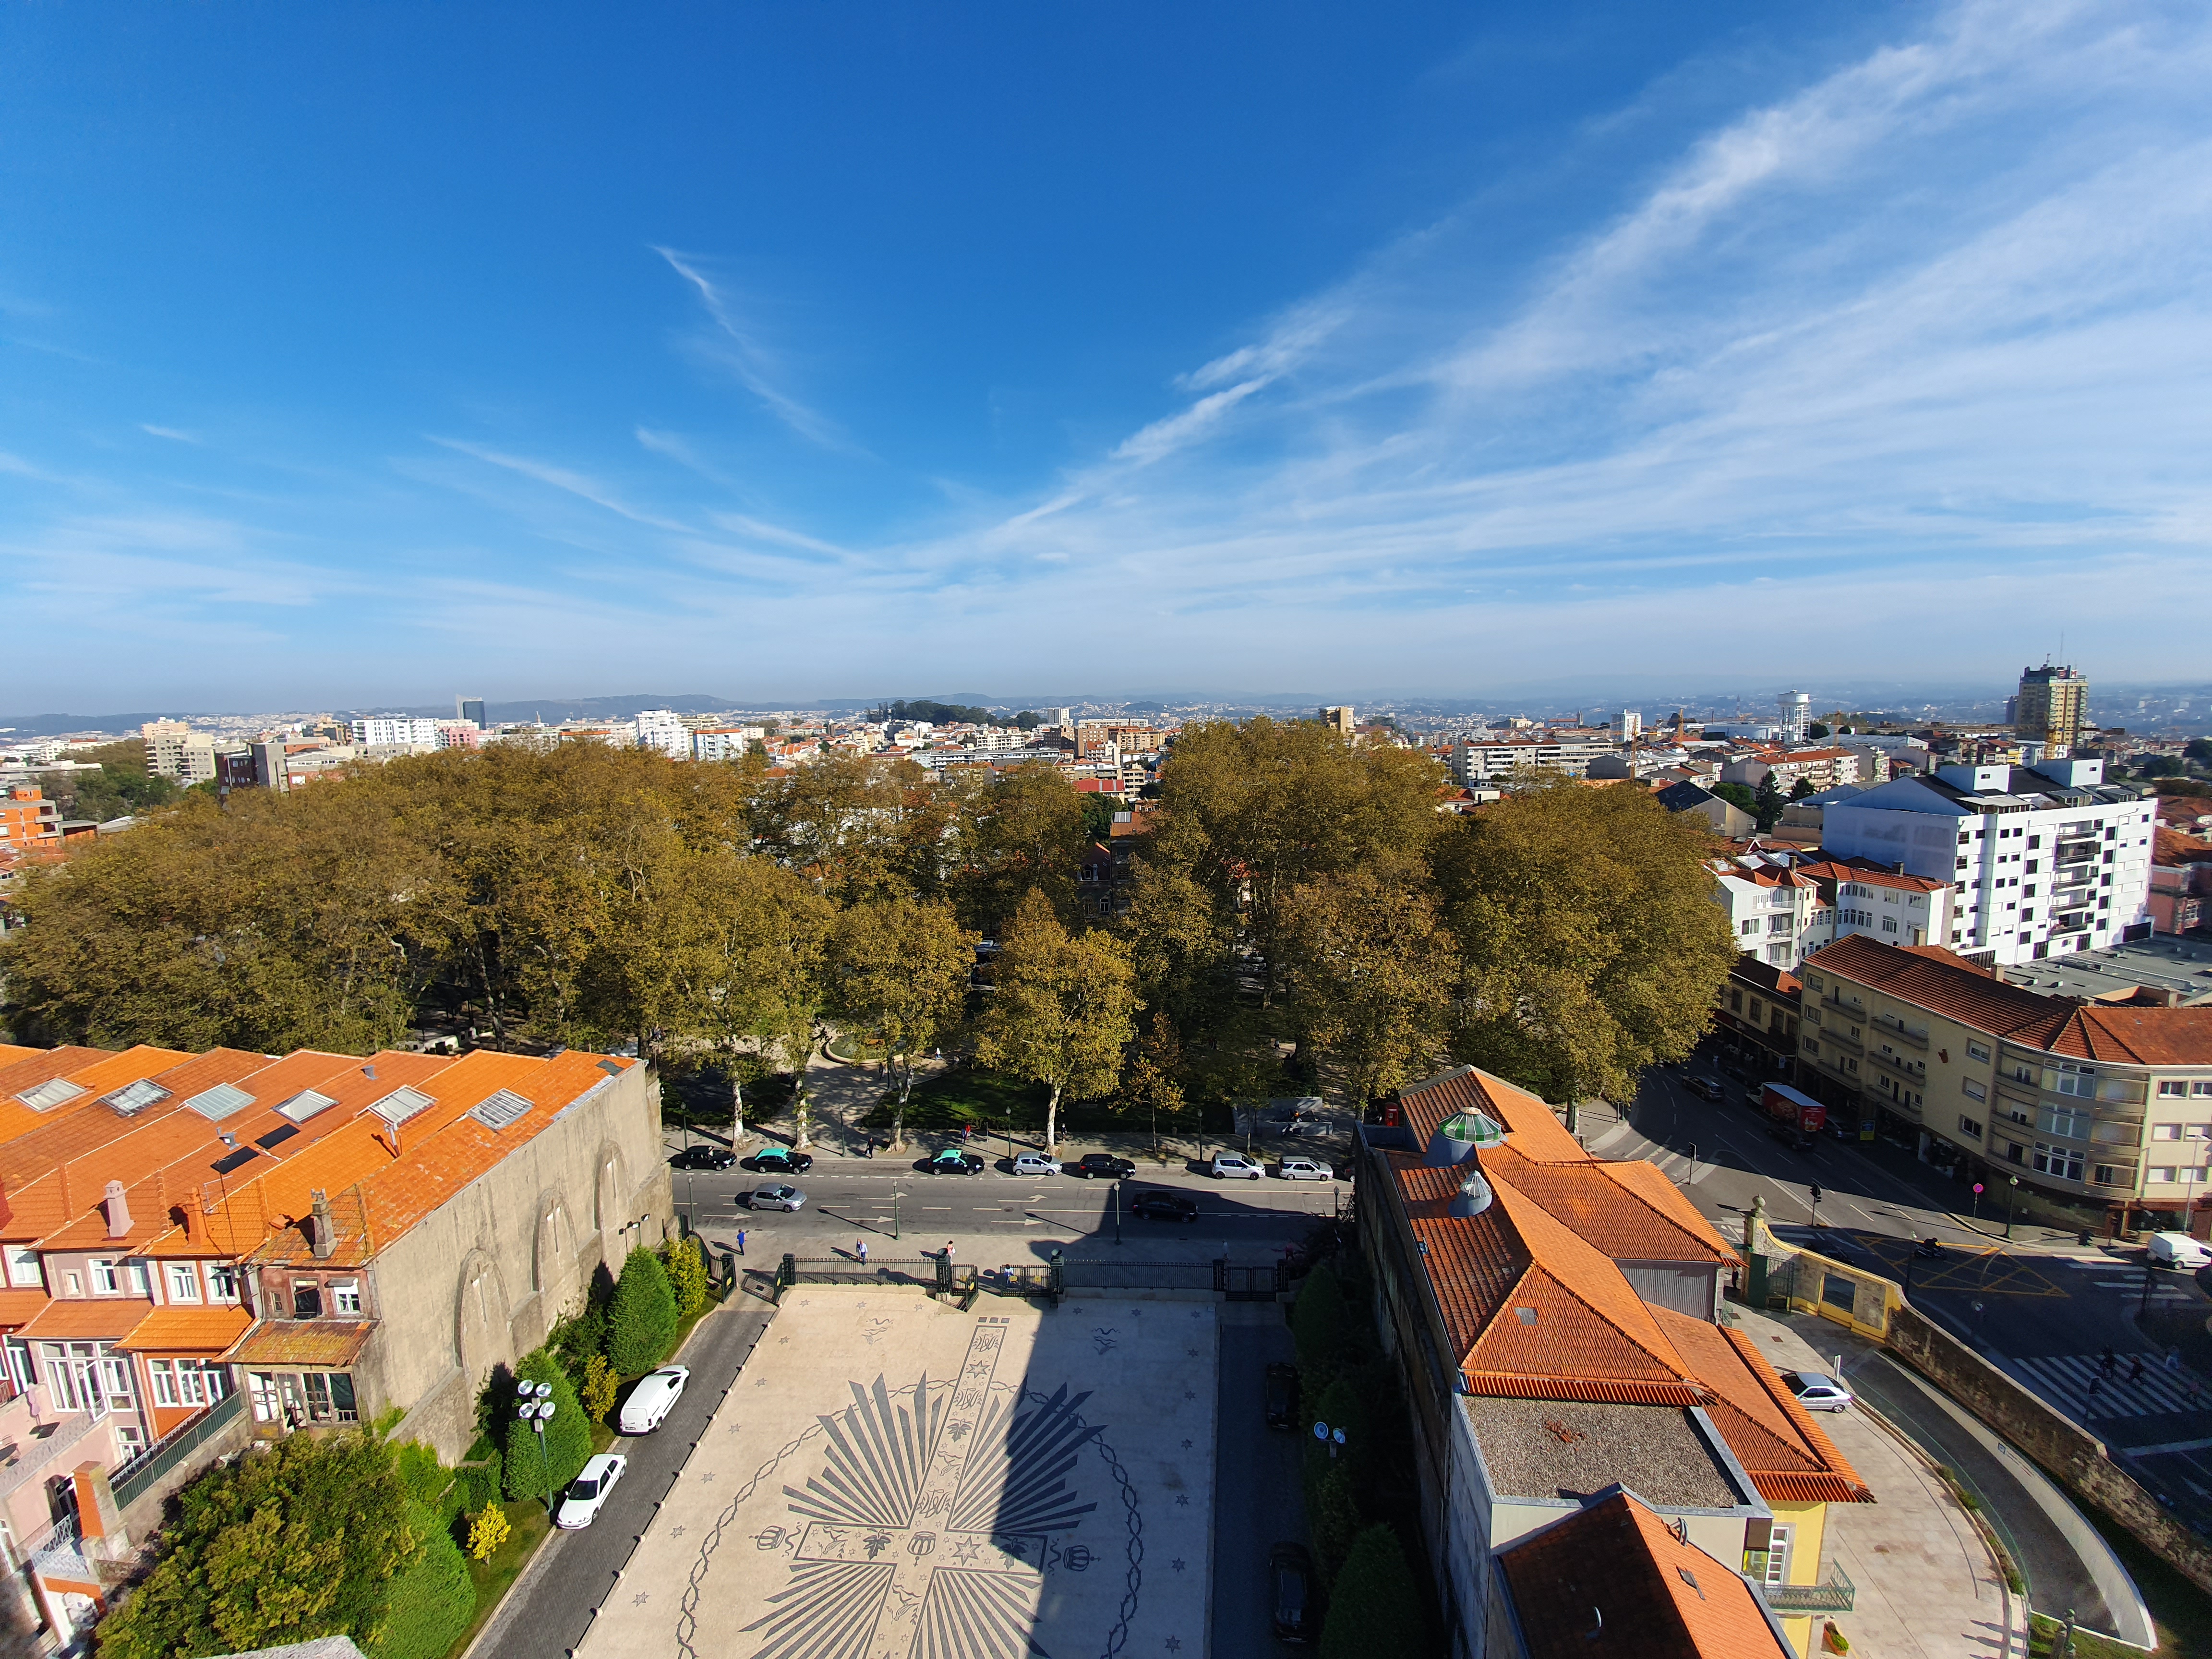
[
  {"x": 1036, "y": 1164},
  {"x": 1304, "y": 1169},
  {"x": 1234, "y": 1166},
  {"x": 776, "y": 1195},
  {"x": 1817, "y": 1392}
]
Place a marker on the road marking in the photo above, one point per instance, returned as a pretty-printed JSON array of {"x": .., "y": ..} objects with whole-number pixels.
[
  {"x": 2064, "y": 1381},
  {"x": 2171, "y": 1446}
]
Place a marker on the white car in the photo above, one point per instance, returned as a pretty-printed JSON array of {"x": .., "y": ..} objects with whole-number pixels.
[
  {"x": 2177, "y": 1250},
  {"x": 1304, "y": 1169},
  {"x": 650, "y": 1401},
  {"x": 1036, "y": 1164},
  {"x": 587, "y": 1492},
  {"x": 777, "y": 1196},
  {"x": 1816, "y": 1392},
  {"x": 1235, "y": 1166}
]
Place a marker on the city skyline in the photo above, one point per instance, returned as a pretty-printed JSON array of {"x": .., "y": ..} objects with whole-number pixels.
[{"x": 781, "y": 351}]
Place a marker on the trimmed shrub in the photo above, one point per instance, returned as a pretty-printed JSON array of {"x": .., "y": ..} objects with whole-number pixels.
[
  {"x": 1374, "y": 1606},
  {"x": 598, "y": 1393},
  {"x": 478, "y": 1482},
  {"x": 488, "y": 1532},
  {"x": 687, "y": 1277},
  {"x": 642, "y": 1322},
  {"x": 1332, "y": 1519},
  {"x": 1317, "y": 1322},
  {"x": 432, "y": 1600},
  {"x": 568, "y": 1436}
]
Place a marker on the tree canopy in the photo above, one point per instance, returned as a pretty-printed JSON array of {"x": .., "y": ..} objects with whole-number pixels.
[{"x": 1061, "y": 1014}]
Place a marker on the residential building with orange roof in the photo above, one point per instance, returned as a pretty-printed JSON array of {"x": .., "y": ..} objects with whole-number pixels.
[
  {"x": 1557, "y": 1318},
  {"x": 230, "y": 1244},
  {"x": 2104, "y": 1109}
]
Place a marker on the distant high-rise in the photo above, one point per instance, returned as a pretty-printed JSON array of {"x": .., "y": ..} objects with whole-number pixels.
[
  {"x": 1061, "y": 717},
  {"x": 469, "y": 708},
  {"x": 1797, "y": 715},
  {"x": 1629, "y": 727},
  {"x": 2052, "y": 706},
  {"x": 1340, "y": 717}
]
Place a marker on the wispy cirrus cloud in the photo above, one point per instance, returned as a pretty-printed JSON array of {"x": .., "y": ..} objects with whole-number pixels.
[
  {"x": 566, "y": 479},
  {"x": 737, "y": 347}
]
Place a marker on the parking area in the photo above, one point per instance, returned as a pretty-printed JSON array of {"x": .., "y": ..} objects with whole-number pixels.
[{"x": 893, "y": 1477}]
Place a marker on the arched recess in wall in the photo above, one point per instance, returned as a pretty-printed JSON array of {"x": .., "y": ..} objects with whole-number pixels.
[
  {"x": 608, "y": 1182},
  {"x": 480, "y": 1333},
  {"x": 556, "y": 1244}
]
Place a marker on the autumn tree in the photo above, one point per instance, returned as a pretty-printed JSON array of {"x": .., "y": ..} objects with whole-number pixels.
[
  {"x": 1062, "y": 1013},
  {"x": 1180, "y": 937},
  {"x": 1153, "y": 1082},
  {"x": 1589, "y": 942},
  {"x": 1372, "y": 973},
  {"x": 1021, "y": 832},
  {"x": 898, "y": 971}
]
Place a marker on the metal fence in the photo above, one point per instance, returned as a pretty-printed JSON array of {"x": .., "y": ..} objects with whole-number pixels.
[{"x": 144, "y": 1471}]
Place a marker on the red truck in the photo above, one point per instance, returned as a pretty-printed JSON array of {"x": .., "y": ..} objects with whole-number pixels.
[{"x": 1794, "y": 1108}]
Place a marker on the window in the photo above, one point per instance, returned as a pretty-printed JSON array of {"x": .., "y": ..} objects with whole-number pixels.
[
  {"x": 73, "y": 1284},
  {"x": 1751, "y": 927},
  {"x": 2202, "y": 1088},
  {"x": 2166, "y": 1132},
  {"x": 1978, "y": 1051},
  {"x": 2162, "y": 1175},
  {"x": 23, "y": 1268},
  {"x": 184, "y": 1281},
  {"x": 222, "y": 1282},
  {"x": 141, "y": 1281},
  {"x": 1811, "y": 1047},
  {"x": 165, "y": 1383},
  {"x": 1970, "y": 1126},
  {"x": 345, "y": 1296},
  {"x": 2073, "y": 1123},
  {"x": 2064, "y": 1162},
  {"x": 307, "y": 1298},
  {"x": 115, "y": 1377},
  {"x": 1812, "y": 979},
  {"x": 1974, "y": 1090},
  {"x": 2114, "y": 1175},
  {"x": 2067, "y": 1079},
  {"x": 104, "y": 1280},
  {"x": 2172, "y": 1089},
  {"x": 1778, "y": 1554}
]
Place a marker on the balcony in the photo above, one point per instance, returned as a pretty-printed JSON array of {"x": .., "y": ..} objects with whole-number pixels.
[
  {"x": 1836, "y": 1594},
  {"x": 1891, "y": 1029},
  {"x": 1913, "y": 1071}
]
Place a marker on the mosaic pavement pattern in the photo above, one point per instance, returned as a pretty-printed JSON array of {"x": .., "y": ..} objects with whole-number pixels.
[{"x": 894, "y": 1479}]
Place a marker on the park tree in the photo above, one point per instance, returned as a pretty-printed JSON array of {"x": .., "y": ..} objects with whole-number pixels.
[
  {"x": 1374, "y": 1604},
  {"x": 294, "y": 1541},
  {"x": 838, "y": 821},
  {"x": 1766, "y": 803},
  {"x": 1022, "y": 832},
  {"x": 1180, "y": 938},
  {"x": 641, "y": 1321},
  {"x": 1588, "y": 942},
  {"x": 1153, "y": 1082},
  {"x": 1372, "y": 971},
  {"x": 1062, "y": 1013},
  {"x": 1803, "y": 787},
  {"x": 898, "y": 973}
]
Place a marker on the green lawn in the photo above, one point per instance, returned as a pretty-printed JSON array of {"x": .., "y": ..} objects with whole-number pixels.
[
  {"x": 2086, "y": 1646},
  {"x": 993, "y": 1104},
  {"x": 495, "y": 1577}
]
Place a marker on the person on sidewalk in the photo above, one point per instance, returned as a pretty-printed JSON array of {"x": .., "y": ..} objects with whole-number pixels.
[
  {"x": 741, "y": 1242},
  {"x": 2136, "y": 1371},
  {"x": 2107, "y": 1363},
  {"x": 861, "y": 1249},
  {"x": 948, "y": 1252}
]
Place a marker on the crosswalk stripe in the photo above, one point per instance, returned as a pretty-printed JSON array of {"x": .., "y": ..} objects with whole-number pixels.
[{"x": 2065, "y": 1380}]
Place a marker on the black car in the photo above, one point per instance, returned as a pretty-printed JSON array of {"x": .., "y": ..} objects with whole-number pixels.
[
  {"x": 1104, "y": 1164},
  {"x": 1793, "y": 1138},
  {"x": 1164, "y": 1206},
  {"x": 780, "y": 1160},
  {"x": 704, "y": 1158},
  {"x": 1291, "y": 1594},
  {"x": 952, "y": 1161},
  {"x": 1282, "y": 1396}
]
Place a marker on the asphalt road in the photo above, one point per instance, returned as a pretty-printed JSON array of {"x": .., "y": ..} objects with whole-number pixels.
[
  {"x": 1258, "y": 1498},
  {"x": 902, "y": 1211},
  {"x": 574, "y": 1571}
]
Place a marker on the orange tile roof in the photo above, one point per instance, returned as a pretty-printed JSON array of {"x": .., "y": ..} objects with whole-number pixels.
[
  {"x": 1614, "y": 1581},
  {"x": 180, "y": 1330},
  {"x": 11, "y": 1052},
  {"x": 1538, "y": 1133},
  {"x": 1789, "y": 1456},
  {"x": 39, "y": 1066},
  {"x": 18, "y": 1305},
  {"x": 27, "y": 1156},
  {"x": 97, "y": 1319},
  {"x": 1624, "y": 1215},
  {"x": 314, "y": 1344}
]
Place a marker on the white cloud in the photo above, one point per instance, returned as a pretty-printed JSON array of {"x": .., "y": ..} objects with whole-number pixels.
[{"x": 745, "y": 356}]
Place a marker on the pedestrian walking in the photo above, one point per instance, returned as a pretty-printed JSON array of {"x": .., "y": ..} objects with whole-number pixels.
[
  {"x": 741, "y": 1240},
  {"x": 2136, "y": 1371},
  {"x": 948, "y": 1252},
  {"x": 2107, "y": 1364},
  {"x": 861, "y": 1249},
  {"x": 2173, "y": 1358},
  {"x": 2090, "y": 1398}
]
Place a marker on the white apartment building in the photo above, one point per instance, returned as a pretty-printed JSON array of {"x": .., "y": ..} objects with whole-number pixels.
[
  {"x": 660, "y": 729},
  {"x": 727, "y": 743},
  {"x": 1498, "y": 757},
  {"x": 1628, "y": 726},
  {"x": 2041, "y": 861},
  {"x": 1775, "y": 914},
  {"x": 174, "y": 751},
  {"x": 395, "y": 729},
  {"x": 1890, "y": 908}
]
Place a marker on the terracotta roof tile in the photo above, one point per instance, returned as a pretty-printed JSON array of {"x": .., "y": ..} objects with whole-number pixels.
[
  {"x": 1789, "y": 1456},
  {"x": 315, "y": 1344},
  {"x": 180, "y": 1330},
  {"x": 17, "y": 1306},
  {"x": 1538, "y": 1133},
  {"x": 1627, "y": 1216},
  {"x": 1612, "y": 1582},
  {"x": 98, "y": 1319}
]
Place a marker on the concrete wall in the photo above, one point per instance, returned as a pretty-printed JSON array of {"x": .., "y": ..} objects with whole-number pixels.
[
  {"x": 2076, "y": 1459},
  {"x": 480, "y": 1280}
]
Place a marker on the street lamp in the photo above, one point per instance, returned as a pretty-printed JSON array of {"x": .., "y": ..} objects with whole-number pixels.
[
  {"x": 1816, "y": 1209},
  {"x": 537, "y": 1410},
  {"x": 1117, "y": 1212},
  {"x": 1330, "y": 1437},
  {"x": 1694, "y": 1163},
  {"x": 2012, "y": 1192}
]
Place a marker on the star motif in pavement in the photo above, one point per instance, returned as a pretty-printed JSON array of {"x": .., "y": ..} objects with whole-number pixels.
[
  {"x": 1175, "y": 1645},
  {"x": 1187, "y": 1395},
  {"x": 1183, "y": 1500},
  {"x": 1185, "y": 1445},
  {"x": 1177, "y": 1564},
  {"x": 678, "y": 1533},
  {"x": 640, "y": 1599},
  {"x": 708, "y": 1477},
  {"x": 1192, "y": 1352}
]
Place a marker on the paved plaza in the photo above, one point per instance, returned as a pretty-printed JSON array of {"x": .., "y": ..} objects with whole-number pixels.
[{"x": 892, "y": 1478}]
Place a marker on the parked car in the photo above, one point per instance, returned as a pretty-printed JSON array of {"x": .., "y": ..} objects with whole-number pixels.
[
  {"x": 1036, "y": 1164},
  {"x": 1164, "y": 1206},
  {"x": 1292, "y": 1597},
  {"x": 1817, "y": 1392},
  {"x": 1096, "y": 1164},
  {"x": 1282, "y": 1395},
  {"x": 1234, "y": 1166},
  {"x": 1793, "y": 1137},
  {"x": 1710, "y": 1087},
  {"x": 2177, "y": 1250},
  {"x": 588, "y": 1493},
  {"x": 952, "y": 1161},
  {"x": 776, "y": 1196},
  {"x": 1304, "y": 1169},
  {"x": 780, "y": 1160},
  {"x": 651, "y": 1399},
  {"x": 704, "y": 1158}
]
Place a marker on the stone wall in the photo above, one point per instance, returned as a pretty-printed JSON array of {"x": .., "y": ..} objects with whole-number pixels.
[{"x": 2074, "y": 1458}]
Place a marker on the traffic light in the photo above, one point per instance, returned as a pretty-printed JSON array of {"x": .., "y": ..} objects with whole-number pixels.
[{"x": 1816, "y": 1195}]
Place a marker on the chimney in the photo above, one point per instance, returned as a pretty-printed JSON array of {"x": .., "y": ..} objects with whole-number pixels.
[
  {"x": 322, "y": 1235},
  {"x": 118, "y": 1211}
]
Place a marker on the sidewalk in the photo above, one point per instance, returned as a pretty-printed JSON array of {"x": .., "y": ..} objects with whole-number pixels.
[{"x": 1926, "y": 1585}]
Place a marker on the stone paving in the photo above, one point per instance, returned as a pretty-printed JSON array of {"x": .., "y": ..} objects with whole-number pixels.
[
  {"x": 892, "y": 1478},
  {"x": 1927, "y": 1586}
]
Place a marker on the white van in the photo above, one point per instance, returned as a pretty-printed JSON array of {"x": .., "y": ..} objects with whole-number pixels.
[
  {"x": 2178, "y": 1250},
  {"x": 650, "y": 1399}
]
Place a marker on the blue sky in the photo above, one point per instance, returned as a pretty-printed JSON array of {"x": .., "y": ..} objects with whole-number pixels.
[{"x": 366, "y": 354}]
